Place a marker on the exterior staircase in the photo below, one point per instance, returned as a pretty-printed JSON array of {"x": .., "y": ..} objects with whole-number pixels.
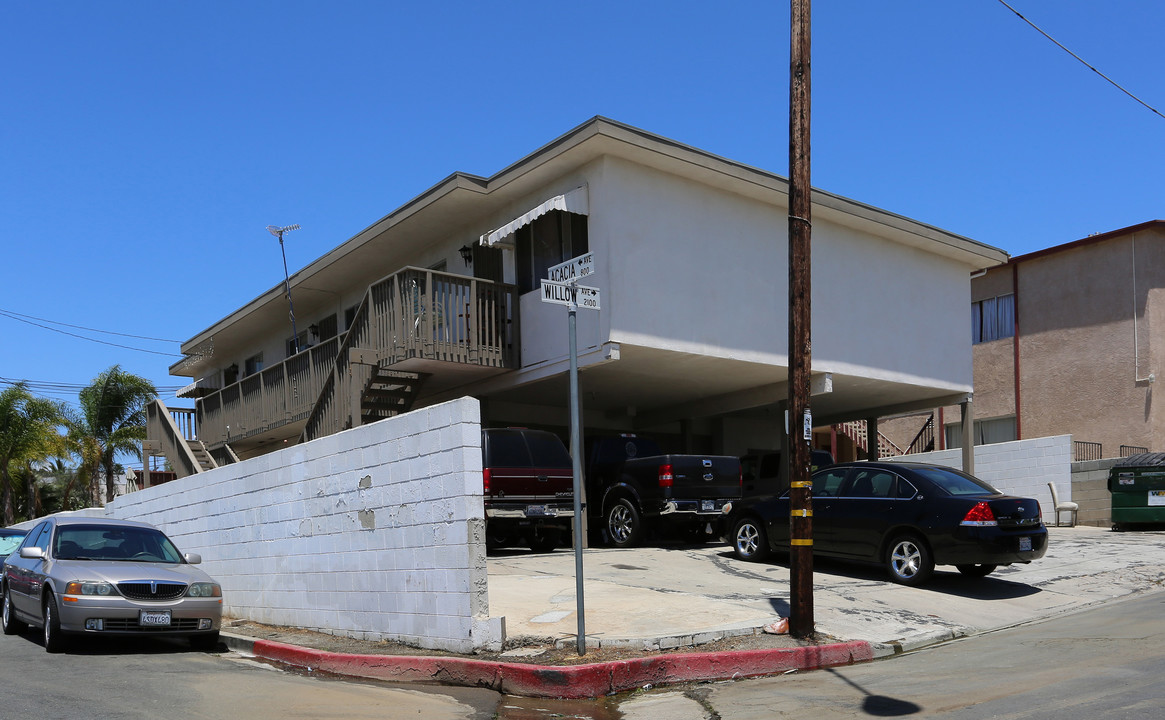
[
  {"x": 201, "y": 455},
  {"x": 924, "y": 440},
  {"x": 388, "y": 393},
  {"x": 856, "y": 431}
]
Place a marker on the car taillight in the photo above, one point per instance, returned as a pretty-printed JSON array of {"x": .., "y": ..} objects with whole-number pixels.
[
  {"x": 485, "y": 481},
  {"x": 665, "y": 476},
  {"x": 980, "y": 516}
]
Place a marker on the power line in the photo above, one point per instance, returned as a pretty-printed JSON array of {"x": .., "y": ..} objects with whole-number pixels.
[
  {"x": 1082, "y": 60},
  {"x": 11, "y": 313},
  {"x": 4, "y": 313},
  {"x": 63, "y": 388}
]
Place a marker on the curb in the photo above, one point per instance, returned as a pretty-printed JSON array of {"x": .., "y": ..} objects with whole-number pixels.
[{"x": 570, "y": 682}]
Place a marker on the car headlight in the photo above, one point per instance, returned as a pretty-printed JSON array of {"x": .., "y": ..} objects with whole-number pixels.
[
  {"x": 89, "y": 588},
  {"x": 204, "y": 589}
]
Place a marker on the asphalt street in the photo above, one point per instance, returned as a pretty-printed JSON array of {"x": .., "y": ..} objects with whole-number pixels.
[{"x": 1104, "y": 662}]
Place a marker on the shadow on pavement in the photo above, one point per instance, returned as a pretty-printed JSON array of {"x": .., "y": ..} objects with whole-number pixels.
[
  {"x": 118, "y": 646},
  {"x": 945, "y": 580}
]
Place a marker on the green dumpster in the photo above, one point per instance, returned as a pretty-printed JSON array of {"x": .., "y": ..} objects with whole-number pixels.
[{"x": 1137, "y": 487}]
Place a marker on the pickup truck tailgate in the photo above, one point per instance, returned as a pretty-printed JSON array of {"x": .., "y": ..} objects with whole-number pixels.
[{"x": 710, "y": 476}]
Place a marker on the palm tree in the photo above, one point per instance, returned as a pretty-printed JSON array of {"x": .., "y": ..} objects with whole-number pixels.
[
  {"x": 28, "y": 432},
  {"x": 58, "y": 488},
  {"x": 112, "y": 420}
]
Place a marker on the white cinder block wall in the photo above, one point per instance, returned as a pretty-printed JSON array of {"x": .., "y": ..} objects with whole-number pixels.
[
  {"x": 375, "y": 533},
  {"x": 1022, "y": 467}
]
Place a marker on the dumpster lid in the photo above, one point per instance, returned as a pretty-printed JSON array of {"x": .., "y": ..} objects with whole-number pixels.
[{"x": 1142, "y": 460}]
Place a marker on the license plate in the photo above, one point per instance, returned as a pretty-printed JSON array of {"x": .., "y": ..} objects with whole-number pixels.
[
  {"x": 1025, "y": 544},
  {"x": 707, "y": 506},
  {"x": 538, "y": 511},
  {"x": 1156, "y": 498},
  {"x": 154, "y": 618}
]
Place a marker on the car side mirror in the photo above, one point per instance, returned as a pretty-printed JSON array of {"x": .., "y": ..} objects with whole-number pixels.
[
  {"x": 192, "y": 558},
  {"x": 32, "y": 553}
]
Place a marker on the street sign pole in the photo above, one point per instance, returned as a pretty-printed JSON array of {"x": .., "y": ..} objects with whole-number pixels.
[
  {"x": 576, "y": 456},
  {"x": 561, "y": 288}
]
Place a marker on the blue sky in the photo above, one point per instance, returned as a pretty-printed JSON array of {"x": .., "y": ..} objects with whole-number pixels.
[{"x": 144, "y": 146}]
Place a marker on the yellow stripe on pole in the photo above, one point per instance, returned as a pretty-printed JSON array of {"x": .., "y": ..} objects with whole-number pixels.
[
  {"x": 801, "y": 543},
  {"x": 801, "y": 513},
  {"x": 801, "y": 484}
]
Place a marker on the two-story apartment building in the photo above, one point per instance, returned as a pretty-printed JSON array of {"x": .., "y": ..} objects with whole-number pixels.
[
  {"x": 441, "y": 298},
  {"x": 1068, "y": 341}
]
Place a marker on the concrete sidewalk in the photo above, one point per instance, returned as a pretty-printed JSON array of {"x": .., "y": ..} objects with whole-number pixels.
[{"x": 662, "y": 597}]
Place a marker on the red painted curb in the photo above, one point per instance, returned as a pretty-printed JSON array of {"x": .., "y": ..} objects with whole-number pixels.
[{"x": 577, "y": 681}]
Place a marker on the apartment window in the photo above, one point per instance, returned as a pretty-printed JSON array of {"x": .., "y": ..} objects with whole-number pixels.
[
  {"x": 303, "y": 343},
  {"x": 993, "y": 319},
  {"x": 349, "y": 316},
  {"x": 553, "y": 238},
  {"x": 487, "y": 263},
  {"x": 325, "y": 329},
  {"x": 985, "y": 432},
  {"x": 253, "y": 364}
]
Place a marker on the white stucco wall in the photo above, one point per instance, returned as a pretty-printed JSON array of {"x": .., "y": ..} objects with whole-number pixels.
[
  {"x": 376, "y": 532},
  {"x": 1022, "y": 467},
  {"x": 683, "y": 266}
]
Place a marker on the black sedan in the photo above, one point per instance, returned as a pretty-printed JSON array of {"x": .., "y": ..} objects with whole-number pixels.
[{"x": 907, "y": 517}]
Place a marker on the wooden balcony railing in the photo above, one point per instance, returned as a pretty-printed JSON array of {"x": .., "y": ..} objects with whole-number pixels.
[
  {"x": 269, "y": 399},
  {"x": 414, "y": 313}
]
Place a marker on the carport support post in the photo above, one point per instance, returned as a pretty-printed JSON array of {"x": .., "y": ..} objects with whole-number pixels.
[
  {"x": 968, "y": 428},
  {"x": 576, "y": 456},
  {"x": 800, "y": 418}
]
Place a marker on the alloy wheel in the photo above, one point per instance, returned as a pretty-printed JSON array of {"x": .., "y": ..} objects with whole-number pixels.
[{"x": 620, "y": 523}]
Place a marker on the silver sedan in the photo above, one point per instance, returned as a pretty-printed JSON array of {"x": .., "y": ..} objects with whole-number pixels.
[{"x": 97, "y": 576}]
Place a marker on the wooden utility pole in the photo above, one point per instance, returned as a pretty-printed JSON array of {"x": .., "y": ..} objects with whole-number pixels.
[{"x": 800, "y": 346}]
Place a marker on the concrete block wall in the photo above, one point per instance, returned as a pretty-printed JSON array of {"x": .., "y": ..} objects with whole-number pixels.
[
  {"x": 376, "y": 532},
  {"x": 1090, "y": 491},
  {"x": 1022, "y": 467}
]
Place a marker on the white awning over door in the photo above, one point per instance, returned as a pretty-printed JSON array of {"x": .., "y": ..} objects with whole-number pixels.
[{"x": 575, "y": 201}]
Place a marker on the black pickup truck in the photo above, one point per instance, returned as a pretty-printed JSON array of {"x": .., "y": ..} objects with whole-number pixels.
[
  {"x": 528, "y": 488},
  {"x": 634, "y": 485}
]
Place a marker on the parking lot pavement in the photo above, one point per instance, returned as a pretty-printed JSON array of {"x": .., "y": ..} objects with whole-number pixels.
[{"x": 655, "y": 597}]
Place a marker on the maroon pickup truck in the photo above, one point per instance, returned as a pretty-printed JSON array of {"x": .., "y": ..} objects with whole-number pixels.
[{"x": 528, "y": 488}]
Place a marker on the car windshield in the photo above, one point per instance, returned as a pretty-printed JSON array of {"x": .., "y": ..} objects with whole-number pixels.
[
  {"x": 955, "y": 482},
  {"x": 113, "y": 542},
  {"x": 9, "y": 543}
]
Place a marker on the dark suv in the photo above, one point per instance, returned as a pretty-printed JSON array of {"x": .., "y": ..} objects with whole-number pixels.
[{"x": 528, "y": 487}]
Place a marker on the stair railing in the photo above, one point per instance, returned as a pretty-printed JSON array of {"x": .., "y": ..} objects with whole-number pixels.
[
  {"x": 856, "y": 431},
  {"x": 924, "y": 440},
  {"x": 172, "y": 443}
]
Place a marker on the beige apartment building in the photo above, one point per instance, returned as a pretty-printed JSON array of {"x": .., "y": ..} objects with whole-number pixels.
[
  {"x": 1067, "y": 340},
  {"x": 442, "y": 298}
]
